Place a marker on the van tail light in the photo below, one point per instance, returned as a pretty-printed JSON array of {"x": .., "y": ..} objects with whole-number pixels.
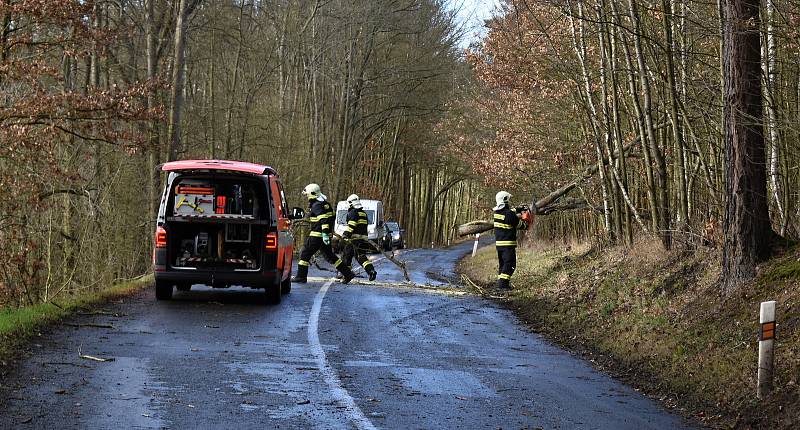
[
  {"x": 161, "y": 237},
  {"x": 271, "y": 241}
]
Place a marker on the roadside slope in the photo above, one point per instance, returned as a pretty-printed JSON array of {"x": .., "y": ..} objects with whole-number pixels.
[{"x": 659, "y": 321}]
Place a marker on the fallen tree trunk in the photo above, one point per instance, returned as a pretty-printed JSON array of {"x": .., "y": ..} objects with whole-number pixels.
[{"x": 474, "y": 227}]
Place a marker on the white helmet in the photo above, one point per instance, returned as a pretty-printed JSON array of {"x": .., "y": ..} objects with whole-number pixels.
[
  {"x": 312, "y": 191},
  {"x": 502, "y": 198},
  {"x": 354, "y": 201}
]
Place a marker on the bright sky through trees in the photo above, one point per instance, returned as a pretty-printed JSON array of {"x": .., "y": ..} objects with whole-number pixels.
[{"x": 472, "y": 13}]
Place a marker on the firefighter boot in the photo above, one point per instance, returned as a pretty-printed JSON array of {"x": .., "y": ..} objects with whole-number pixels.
[
  {"x": 347, "y": 273},
  {"x": 503, "y": 283},
  {"x": 302, "y": 273},
  {"x": 371, "y": 271}
]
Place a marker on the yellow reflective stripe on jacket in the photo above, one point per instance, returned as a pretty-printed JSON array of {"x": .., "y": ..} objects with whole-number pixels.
[
  {"x": 302, "y": 263},
  {"x": 325, "y": 226},
  {"x": 499, "y": 216},
  {"x": 503, "y": 276},
  {"x": 353, "y": 223},
  {"x": 363, "y": 221},
  {"x": 506, "y": 243},
  {"x": 315, "y": 234},
  {"x": 503, "y": 225},
  {"x": 348, "y": 228}
]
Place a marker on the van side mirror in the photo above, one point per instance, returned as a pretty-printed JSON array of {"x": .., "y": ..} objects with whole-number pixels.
[{"x": 297, "y": 213}]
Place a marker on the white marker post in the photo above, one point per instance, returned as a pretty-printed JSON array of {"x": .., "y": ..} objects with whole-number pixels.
[
  {"x": 475, "y": 245},
  {"x": 766, "y": 345}
]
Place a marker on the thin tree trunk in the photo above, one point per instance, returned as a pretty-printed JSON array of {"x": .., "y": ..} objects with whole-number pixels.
[
  {"x": 770, "y": 72},
  {"x": 178, "y": 77},
  {"x": 579, "y": 47},
  {"x": 677, "y": 132},
  {"x": 655, "y": 152}
]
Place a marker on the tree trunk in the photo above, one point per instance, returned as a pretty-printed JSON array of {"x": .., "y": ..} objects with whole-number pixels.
[
  {"x": 747, "y": 230},
  {"x": 662, "y": 198},
  {"x": 178, "y": 76},
  {"x": 770, "y": 71}
]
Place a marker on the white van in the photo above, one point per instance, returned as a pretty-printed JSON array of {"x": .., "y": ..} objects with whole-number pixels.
[{"x": 374, "y": 210}]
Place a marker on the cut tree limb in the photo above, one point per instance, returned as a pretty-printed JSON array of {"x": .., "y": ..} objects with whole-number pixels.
[{"x": 555, "y": 201}]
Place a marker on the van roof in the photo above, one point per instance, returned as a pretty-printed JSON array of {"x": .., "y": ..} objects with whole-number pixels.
[{"x": 226, "y": 165}]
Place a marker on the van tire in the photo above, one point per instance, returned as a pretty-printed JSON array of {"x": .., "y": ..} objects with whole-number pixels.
[
  {"x": 286, "y": 285},
  {"x": 163, "y": 290},
  {"x": 273, "y": 294}
]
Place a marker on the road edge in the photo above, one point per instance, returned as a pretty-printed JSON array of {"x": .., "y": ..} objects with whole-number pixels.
[{"x": 18, "y": 326}]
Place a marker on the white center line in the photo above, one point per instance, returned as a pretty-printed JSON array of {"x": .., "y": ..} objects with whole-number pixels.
[{"x": 328, "y": 374}]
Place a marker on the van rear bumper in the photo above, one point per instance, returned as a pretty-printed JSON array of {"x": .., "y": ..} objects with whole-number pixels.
[{"x": 222, "y": 279}]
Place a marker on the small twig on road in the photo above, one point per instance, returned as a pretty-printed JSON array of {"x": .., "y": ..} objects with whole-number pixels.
[
  {"x": 468, "y": 281},
  {"x": 113, "y": 314},
  {"x": 94, "y": 325},
  {"x": 93, "y": 358},
  {"x": 62, "y": 363}
]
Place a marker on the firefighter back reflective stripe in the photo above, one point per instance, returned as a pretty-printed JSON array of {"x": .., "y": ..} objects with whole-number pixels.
[
  {"x": 505, "y": 232},
  {"x": 322, "y": 218},
  {"x": 357, "y": 222}
]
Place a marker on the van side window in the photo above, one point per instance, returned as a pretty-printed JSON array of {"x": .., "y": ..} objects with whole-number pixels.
[{"x": 284, "y": 209}]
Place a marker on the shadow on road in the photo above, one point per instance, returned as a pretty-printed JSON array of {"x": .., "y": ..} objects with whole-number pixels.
[{"x": 221, "y": 296}]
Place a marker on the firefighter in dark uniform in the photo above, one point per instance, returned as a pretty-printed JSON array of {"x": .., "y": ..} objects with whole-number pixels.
[
  {"x": 356, "y": 234},
  {"x": 319, "y": 239},
  {"x": 506, "y": 224}
]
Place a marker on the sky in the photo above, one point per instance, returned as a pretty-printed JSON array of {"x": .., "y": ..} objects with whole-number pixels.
[{"x": 472, "y": 13}]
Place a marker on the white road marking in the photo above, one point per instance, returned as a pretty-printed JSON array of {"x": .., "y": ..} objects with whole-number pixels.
[{"x": 328, "y": 374}]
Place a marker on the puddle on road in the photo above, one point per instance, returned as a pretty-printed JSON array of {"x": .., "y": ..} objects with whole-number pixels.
[
  {"x": 289, "y": 388},
  {"x": 443, "y": 382}
]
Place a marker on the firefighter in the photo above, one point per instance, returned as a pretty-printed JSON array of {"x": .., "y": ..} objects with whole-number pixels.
[
  {"x": 322, "y": 218},
  {"x": 356, "y": 237},
  {"x": 506, "y": 224}
]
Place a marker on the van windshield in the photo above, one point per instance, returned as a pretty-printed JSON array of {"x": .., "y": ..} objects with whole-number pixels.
[{"x": 341, "y": 216}]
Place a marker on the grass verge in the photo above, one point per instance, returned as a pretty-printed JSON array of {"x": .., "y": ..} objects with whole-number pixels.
[
  {"x": 19, "y": 324},
  {"x": 659, "y": 321}
]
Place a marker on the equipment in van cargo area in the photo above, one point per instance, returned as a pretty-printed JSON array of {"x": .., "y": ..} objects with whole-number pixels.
[
  {"x": 216, "y": 245},
  {"x": 196, "y": 198}
]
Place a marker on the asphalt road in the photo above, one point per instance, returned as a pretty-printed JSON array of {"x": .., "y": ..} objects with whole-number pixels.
[{"x": 329, "y": 356}]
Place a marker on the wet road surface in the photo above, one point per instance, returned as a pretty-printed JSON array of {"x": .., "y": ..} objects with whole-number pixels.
[{"x": 329, "y": 356}]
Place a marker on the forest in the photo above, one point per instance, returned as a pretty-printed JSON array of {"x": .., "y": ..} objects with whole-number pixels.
[{"x": 612, "y": 111}]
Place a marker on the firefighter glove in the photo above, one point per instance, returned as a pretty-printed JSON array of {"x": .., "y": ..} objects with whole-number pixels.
[{"x": 326, "y": 238}]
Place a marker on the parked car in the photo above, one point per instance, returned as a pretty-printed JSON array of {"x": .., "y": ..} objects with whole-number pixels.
[
  {"x": 223, "y": 223},
  {"x": 394, "y": 236},
  {"x": 374, "y": 210}
]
